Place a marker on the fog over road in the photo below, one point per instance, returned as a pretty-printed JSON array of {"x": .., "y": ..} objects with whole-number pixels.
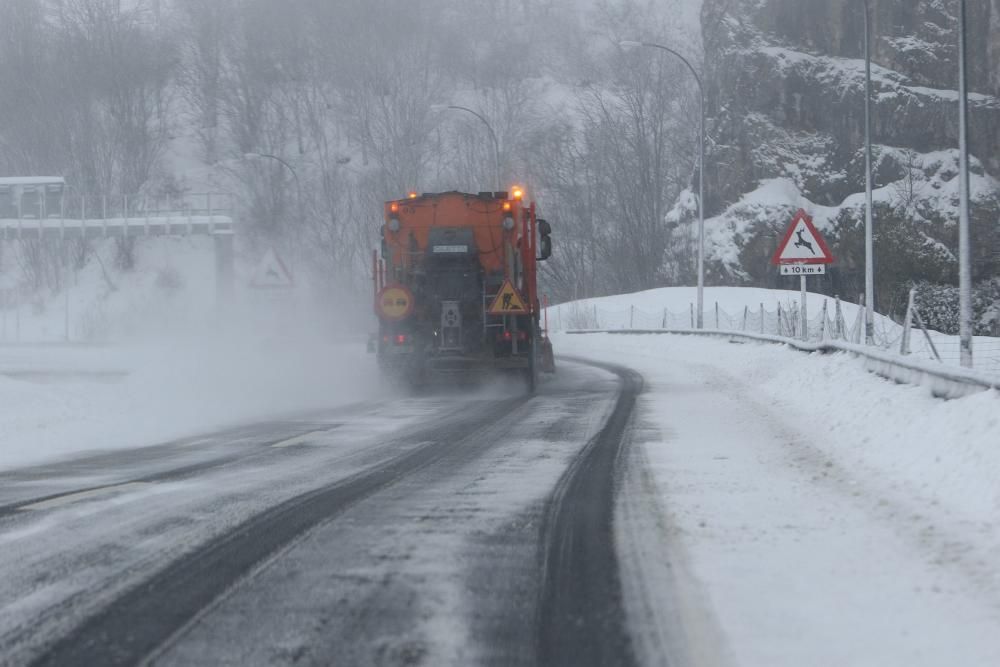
[{"x": 437, "y": 529}]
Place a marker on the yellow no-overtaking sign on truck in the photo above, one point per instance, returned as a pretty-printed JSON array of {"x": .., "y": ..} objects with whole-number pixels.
[{"x": 394, "y": 302}]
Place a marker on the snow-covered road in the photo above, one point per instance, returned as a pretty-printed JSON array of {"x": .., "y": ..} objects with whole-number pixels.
[{"x": 401, "y": 530}]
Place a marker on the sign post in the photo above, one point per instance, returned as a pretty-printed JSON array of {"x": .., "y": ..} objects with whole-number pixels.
[{"x": 802, "y": 252}]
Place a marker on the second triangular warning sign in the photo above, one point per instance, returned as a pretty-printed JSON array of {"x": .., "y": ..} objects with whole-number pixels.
[
  {"x": 271, "y": 273},
  {"x": 508, "y": 302}
]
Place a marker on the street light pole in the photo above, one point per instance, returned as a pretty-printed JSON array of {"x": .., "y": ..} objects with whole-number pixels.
[
  {"x": 700, "y": 322},
  {"x": 869, "y": 224},
  {"x": 964, "y": 263},
  {"x": 489, "y": 128}
]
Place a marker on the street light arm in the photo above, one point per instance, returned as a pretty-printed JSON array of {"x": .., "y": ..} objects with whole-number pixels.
[
  {"x": 687, "y": 63},
  {"x": 489, "y": 128},
  {"x": 273, "y": 157},
  {"x": 295, "y": 175}
]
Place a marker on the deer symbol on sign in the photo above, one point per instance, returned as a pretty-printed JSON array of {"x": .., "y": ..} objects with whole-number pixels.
[{"x": 802, "y": 243}]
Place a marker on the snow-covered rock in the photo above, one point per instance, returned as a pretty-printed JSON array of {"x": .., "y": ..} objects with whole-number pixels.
[{"x": 785, "y": 85}]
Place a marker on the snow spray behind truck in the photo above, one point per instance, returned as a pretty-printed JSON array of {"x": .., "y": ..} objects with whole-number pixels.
[{"x": 456, "y": 288}]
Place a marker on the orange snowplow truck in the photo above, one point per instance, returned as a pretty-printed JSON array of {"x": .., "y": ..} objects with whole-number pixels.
[{"x": 456, "y": 289}]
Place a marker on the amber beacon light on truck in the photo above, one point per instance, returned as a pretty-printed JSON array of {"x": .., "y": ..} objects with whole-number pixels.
[{"x": 456, "y": 287}]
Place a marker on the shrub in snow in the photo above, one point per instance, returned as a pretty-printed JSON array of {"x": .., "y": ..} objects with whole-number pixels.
[{"x": 938, "y": 305}]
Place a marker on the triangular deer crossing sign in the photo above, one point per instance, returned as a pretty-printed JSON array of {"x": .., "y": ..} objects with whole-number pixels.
[
  {"x": 271, "y": 273},
  {"x": 508, "y": 302},
  {"x": 802, "y": 244}
]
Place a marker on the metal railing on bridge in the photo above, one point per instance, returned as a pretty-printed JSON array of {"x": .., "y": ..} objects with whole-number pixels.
[{"x": 94, "y": 217}]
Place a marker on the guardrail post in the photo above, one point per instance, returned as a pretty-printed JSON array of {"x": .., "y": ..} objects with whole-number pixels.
[{"x": 904, "y": 342}]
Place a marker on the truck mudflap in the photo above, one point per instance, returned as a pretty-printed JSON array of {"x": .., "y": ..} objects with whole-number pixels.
[{"x": 548, "y": 357}]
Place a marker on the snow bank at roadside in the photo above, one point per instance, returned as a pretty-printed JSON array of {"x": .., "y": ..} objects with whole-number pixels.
[
  {"x": 943, "y": 451},
  {"x": 671, "y": 308},
  {"x": 60, "y": 402}
]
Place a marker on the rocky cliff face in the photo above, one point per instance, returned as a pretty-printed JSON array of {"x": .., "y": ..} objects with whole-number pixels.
[{"x": 785, "y": 86}]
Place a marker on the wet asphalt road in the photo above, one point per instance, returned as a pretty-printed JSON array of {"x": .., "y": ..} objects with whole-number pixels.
[{"x": 471, "y": 528}]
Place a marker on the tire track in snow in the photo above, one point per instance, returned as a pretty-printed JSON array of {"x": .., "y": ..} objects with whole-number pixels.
[{"x": 581, "y": 617}]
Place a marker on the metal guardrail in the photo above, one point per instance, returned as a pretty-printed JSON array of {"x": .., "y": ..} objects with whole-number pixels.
[{"x": 943, "y": 382}]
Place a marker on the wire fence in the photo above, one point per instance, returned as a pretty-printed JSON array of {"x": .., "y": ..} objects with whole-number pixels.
[{"x": 835, "y": 320}]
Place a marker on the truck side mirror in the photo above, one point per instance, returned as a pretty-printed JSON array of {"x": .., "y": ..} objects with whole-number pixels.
[{"x": 545, "y": 247}]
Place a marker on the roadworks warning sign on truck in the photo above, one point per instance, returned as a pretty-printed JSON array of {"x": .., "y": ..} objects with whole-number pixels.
[{"x": 508, "y": 302}]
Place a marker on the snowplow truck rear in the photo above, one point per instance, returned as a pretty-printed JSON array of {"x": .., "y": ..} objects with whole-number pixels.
[{"x": 456, "y": 288}]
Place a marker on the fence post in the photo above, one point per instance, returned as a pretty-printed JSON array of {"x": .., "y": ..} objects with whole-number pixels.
[
  {"x": 856, "y": 329},
  {"x": 746, "y": 311},
  {"x": 920, "y": 322},
  {"x": 716, "y": 315},
  {"x": 904, "y": 342},
  {"x": 838, "y": 331}
]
